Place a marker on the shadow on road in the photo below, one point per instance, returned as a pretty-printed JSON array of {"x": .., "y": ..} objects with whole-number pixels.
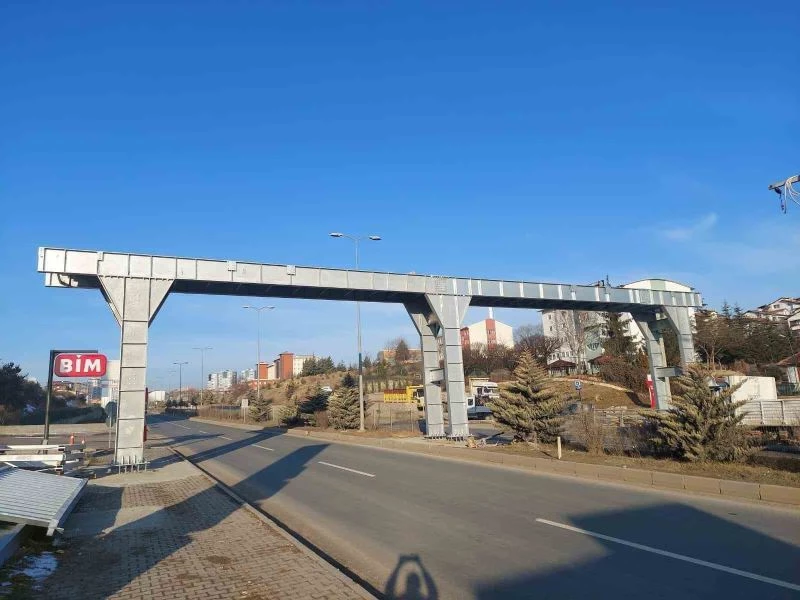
[
  {"x": 613, "y": 570},
  {"x": 185, "y": 518},
  {"x": 410, "y": 580}
]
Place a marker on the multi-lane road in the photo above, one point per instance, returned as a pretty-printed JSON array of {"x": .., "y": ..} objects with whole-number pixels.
[{"x": 450, "y": 529}]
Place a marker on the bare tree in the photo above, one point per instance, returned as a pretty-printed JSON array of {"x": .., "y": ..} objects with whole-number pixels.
[{"x": 573, "y": 327}]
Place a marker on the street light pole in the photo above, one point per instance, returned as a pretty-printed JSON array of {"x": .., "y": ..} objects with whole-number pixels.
[
  {"x": 258, "y": 310},
  {"x": 180, "y": 378},
  {"x": 202, "y": 350},
  {"x": 356, "y": 240}
]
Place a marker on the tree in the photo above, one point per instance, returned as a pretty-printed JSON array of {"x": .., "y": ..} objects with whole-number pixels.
[
  {"x": 528, "y": 405},
  {"x": 367, "y": 362},
  {"x": 531, "y": 339},
  {"x": 712, "y": 333},
  {"x": 700, "y": 424},
  {"x": 259, "y": 406},
  {"x": 343, "y": 408},
  {"x": 574, "y": 327},
  {"x": 617, "y": 341},
  {"x": 401, "y": 351},
  {"x": 16, "y": 390},
  {"x": 349, "y": 381}
]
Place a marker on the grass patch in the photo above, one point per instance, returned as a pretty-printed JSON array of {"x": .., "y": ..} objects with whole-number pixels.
[{"x": 760, "y": 468}]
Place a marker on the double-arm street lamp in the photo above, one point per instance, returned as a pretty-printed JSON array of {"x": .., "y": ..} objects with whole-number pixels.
[
  {"x": 356, "y": 240},
  {"x": 258, "y": 310}
]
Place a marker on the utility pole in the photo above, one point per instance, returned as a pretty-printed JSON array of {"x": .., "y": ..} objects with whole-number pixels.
[
  {"x": 786, "y": 191},
  {"x": 202, "y": 350},
  {"x": 180, "y": 379},
  {"x": 258, "y": 310},
  {"x": 356, "y": 240}
]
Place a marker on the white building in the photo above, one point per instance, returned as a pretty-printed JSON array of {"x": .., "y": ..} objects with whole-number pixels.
[
  {"x": 222, "y": 381},
  {"x": 247, "y": 375},
  {"x": 794, "y": 321},
  {"x": 109, "y": 384},
  {"x": 778, "y": 310},
  {"x": 563, "y": 324},
  {"x": 488, "y": 332}
]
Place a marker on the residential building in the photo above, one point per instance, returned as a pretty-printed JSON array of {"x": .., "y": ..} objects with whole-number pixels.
[
  {"x": 266, "y": 371},
  {"x": 289, "y": 365},
  {"x": 488, "y": 332},
  {"x": 567, "y": 325},
  {"x": 110, "y": 384},
  {"x": 222, "y": 381},
  {"x": 794, "y": 321},
  {"x": 782, "y": 309},
  {"x": 247, "y": 375}
]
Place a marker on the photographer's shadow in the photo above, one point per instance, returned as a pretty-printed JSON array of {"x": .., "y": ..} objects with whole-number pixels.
[{"x": 410, "y": 581}]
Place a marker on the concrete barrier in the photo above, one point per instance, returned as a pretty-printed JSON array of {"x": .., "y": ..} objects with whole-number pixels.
[{"x": 55, "y": 429}]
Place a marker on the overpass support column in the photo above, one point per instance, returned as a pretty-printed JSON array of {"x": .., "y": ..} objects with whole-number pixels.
[
  {"x": 450, "y": 311},
  {"x": 134, "y": 302},
  {"x": 428, "y": 328},
  {"x": 681, "y": 322},
  {"x": 654, "y": 344}
]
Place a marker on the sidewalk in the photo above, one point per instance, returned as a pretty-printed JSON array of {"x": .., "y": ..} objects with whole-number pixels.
[{"x": 170, "y": 533}]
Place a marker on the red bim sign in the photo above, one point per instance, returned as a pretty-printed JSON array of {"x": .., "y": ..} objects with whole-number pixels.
[{"x": 80, "y": 365}]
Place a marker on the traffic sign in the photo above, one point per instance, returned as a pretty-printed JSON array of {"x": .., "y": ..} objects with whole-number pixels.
[
  {"x": 578, "y": 384},
  {"x": 80, "y": 365}
]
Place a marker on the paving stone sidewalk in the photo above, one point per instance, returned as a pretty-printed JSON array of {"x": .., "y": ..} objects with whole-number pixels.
[{"x": 172, "y": 534}]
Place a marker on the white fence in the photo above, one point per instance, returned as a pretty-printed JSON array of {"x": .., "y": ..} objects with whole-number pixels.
[{"x": 771, "y": 412}]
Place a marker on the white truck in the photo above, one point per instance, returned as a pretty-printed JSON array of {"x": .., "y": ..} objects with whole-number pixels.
[{"x": 481, "y": 391}]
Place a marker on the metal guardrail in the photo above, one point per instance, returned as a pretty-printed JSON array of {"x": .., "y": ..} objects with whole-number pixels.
[{"x": 62, "y": 458}]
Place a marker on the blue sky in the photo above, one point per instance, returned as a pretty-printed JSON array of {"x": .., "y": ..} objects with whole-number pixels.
[{"x": 547, "y": 141}]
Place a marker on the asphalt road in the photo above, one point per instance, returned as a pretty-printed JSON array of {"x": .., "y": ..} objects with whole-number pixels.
[{"x": 420, "y": 527}]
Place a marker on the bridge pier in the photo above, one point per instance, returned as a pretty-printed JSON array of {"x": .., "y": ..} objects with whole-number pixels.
[
  {"x": 652, "y": 328},
  {"x": 135, "y": 301},
  {"x": 427, "y": 327},
  {"x": 449, "y": 311}
]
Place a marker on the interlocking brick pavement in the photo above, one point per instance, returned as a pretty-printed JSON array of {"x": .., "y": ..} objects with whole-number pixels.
[{"x": 189, "y": 541}]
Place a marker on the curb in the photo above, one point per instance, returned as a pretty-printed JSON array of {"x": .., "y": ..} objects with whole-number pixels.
[
  {"x": 345, "y": 576},
  {"x": 660, "y": 480},
  {"x": 11, "y": 543}
]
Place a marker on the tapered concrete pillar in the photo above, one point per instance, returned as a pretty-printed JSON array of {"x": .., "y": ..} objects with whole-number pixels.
[
  {"x": 681, "y": 322},
  {"x": 134, "y": 302},
  {"x": 654, "y": 344},
  {"x": 432, "y": 374},
  {"x": 450, "y": 311}
]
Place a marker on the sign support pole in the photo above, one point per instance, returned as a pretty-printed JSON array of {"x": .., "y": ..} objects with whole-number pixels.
[{"x": 51, "y": 368}]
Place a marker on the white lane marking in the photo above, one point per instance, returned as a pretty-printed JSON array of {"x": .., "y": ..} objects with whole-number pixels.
[
  {"x": 346, "y": 469},
  {"x": 201, "y": 431},
  {"x": 222, "y": 437},
  {"x": 263, "y": 447},
  {"x": 696, "y": 561},
  {"x": 184, "y": 426}
]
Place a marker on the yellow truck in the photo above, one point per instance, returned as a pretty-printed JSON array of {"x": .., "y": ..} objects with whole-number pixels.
[{"x": 411, "y": 393}]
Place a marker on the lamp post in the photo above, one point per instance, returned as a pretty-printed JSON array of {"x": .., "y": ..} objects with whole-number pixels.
[
  {"x": 258, "y": 310},
  {"x": 180, "y": 378},
  {"x": 356, "y": 240},
  {"x": 202, "y": 350}
]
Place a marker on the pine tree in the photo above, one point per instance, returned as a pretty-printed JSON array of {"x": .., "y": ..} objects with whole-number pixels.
[
  {"x": 700, "y": 425},
  {"x": 528, "y": 405},
  {"x": 343, "y": 409},
  {"x": 260, "y": 406},
  {"x": 349, "y": 381},
  {"x": 617, "y": 340}
]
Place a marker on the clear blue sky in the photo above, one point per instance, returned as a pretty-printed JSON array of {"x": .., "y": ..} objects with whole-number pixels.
[{"x": 560, "y": 141}]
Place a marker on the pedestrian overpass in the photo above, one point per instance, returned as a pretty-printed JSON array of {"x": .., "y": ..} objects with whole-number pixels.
[{"x": 136, "y": 286}]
